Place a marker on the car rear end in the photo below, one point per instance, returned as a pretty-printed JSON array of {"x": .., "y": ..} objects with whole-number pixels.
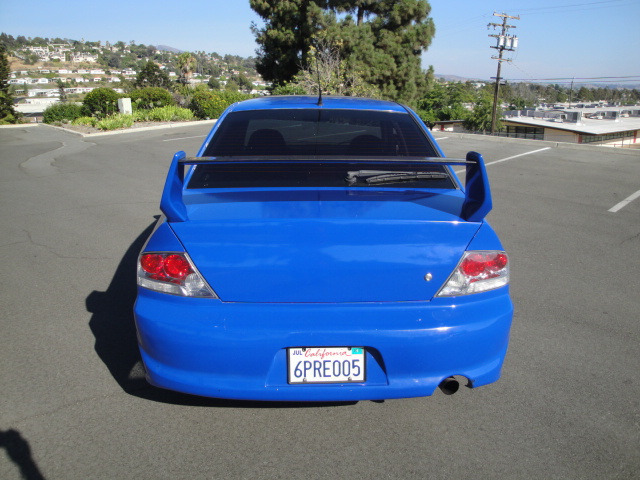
[{"x": 340, "y": 262}]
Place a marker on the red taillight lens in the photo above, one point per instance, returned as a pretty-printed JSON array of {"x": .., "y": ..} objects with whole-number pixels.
[
  {"x": 478, "y": 271},
  {"x": 474, "y": 265},
  {"x": 152, "y": 262},
  {"x": 498, "y": 262},
  {"x": 172, "y": 272},
  {"x": 165, "y": 267},
  {"x": 176, "y": 266},
  {"x": 477, "y": 264}
]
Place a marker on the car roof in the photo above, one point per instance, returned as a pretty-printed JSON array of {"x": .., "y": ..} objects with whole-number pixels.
[{"x": 311, "y": 102}]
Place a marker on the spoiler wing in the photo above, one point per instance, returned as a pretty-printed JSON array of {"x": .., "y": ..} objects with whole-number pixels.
[{"x": 476, "y": 206}]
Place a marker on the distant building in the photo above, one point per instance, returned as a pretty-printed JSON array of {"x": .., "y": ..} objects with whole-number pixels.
[
  {"x": 594, "y": 125},
  {"x": 84, "y": 58}
]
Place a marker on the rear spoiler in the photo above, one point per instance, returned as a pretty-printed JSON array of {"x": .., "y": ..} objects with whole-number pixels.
[{"x": 476, "y": 206}]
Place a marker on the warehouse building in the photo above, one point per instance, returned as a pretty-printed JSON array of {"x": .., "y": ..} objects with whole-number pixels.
[{"x": 595, "y": 125}]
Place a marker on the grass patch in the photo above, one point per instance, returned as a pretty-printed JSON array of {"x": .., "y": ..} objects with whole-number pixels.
[
  {"x": 115, "y": 122},
  {"x": 163, "y": 114}
]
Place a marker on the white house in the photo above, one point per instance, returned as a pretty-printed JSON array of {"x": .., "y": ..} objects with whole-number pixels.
[
  {"x": 84, "y": 57},
  {"x": 44, "y": 92}
]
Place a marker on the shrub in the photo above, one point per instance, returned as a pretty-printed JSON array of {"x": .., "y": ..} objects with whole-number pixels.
[
  {"x": 163, "y": 114},
  {"x": 101, "y": 102},
  {"x": 62, "y": 111},
  {"x": 207, "y": 104},
  {"x": 289, "y": 89},
  {"x": 150, "y": 97},
  {"x": 91, "y": 121},
  {"x": 113, "y": 122}
]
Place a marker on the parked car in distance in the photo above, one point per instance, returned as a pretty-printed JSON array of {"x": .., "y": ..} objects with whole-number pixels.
[{"x": 322, "y": 250}]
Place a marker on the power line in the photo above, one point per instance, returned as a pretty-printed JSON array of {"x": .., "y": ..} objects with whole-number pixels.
[
  {"x": 607, "y": 82},
  {"x": 578, "y": 78},
  {"x": 571, "y": 5}
]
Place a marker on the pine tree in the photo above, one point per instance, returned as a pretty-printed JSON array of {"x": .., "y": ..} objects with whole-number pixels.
[
  {"x": 7, "y": 113},
  {"x": 152, "y": 76},
  {"x": 380, "y": 40},
  {"x": 286, "y": 38},
  {"x": 384, "y": 40}
]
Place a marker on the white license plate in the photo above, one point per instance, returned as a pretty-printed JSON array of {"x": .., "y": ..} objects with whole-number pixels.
[{"x": 326, "y": 364}]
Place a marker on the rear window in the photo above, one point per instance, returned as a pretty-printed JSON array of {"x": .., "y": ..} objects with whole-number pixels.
[
  {"x": 318, "y": 132},
  {"x": 311, "y": 174}
]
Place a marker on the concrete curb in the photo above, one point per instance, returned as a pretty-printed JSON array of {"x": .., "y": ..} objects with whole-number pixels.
[
  {"x": 541, "y": 143},
  {"x": 129, "y": 130},
  {"x": 20, "y": 125}
]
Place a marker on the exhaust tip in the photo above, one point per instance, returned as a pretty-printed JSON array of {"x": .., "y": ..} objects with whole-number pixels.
[{"x": 449, "y": 386}]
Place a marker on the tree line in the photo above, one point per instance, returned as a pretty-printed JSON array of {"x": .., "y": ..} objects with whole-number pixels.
[
  {"x": 373, "y": 48},
  {"x": 121, "y": 55}
]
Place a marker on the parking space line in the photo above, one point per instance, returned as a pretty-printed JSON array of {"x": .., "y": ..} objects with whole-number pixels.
[
  {"x": 516, "y": 156},
  {"x": 441, "y": 138},
  {"x": 625, "y": 202},
  {"x": 509, "y": 158},
  {"x": 182, "y": 138}
]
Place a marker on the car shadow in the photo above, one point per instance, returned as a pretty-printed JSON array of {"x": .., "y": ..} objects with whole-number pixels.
[{"x": 113, "y": 327}]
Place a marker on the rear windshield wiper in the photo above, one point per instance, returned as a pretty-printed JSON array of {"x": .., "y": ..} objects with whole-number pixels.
[{"x": 376, "y": 177}]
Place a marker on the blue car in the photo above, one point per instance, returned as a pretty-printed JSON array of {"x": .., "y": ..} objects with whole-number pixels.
[{"x": 322, "y": 250}]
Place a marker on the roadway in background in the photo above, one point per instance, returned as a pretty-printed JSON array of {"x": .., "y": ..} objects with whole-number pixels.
[{"x": 75, "y": 212}]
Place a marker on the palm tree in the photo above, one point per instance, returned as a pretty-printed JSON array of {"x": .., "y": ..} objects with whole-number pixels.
[{"x": 186, "y": 64}]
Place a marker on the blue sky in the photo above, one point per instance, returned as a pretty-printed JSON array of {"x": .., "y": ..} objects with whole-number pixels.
[{"x": 558, "y": 38}]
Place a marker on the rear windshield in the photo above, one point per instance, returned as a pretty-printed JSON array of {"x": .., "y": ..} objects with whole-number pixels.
[
  {"x": 318, "y": 132},
  {"x": 311, "y": 174}
]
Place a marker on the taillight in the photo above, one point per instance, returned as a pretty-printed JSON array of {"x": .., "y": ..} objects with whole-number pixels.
[
  {"x": 173, "y": 273},
  {"x": 478, "y": 271}
]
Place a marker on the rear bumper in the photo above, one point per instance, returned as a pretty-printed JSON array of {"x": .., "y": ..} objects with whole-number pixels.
[{"x": 238, "y": 350}]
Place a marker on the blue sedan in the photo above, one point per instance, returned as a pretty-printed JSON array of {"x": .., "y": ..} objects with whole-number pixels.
[{"x": 322, "y": 251}]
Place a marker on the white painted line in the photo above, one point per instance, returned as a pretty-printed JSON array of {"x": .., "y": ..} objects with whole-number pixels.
[
  {"x": 625, "y": 202},
  {"x": 182, "y": 138},
  {"x": 441, "y": 138},
  {"x": 510, "y": 158},
  {"x": 516, "y": 156}
]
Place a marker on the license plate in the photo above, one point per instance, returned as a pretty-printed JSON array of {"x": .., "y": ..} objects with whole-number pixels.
[{"x": 326, "y": 364}]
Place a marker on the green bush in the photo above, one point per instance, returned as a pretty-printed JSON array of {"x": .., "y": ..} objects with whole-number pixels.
[
  {"x": 207, "y": 104},
  {"x": 289, "y": 89},
  {"x": 163, "y": 114},
  {"x": 91, "y": 121},
  {"x": 59, "y": 112},
  {"x": 150, "y": 97},
  {"x": 101, "y": 102},
  {"x": 113, "y": 122}
]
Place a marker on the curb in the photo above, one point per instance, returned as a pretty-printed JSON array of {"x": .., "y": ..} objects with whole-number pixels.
[
  {"x": 544, "y": 143},
  {"x": 20, "y": 125},
  {"x": 130, "y": 130}
]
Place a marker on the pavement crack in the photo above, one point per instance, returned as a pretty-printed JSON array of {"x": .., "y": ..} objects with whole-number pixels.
[
  {"x": 44, "y": 164},
  {"x": 631, "y": 238},
  {"x": 58, "y": 255}
]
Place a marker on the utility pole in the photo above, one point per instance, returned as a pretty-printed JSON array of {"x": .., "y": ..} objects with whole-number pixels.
[
  {"x": 571, "y": 92},
  {"x": 504, "y": 42}
]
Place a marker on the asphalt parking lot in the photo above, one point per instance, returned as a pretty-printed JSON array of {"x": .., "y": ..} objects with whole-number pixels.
[{"x": 74, "y": 404}]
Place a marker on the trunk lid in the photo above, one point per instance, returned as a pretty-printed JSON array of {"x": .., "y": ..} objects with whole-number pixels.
[{"x": 325, "y": 245}]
